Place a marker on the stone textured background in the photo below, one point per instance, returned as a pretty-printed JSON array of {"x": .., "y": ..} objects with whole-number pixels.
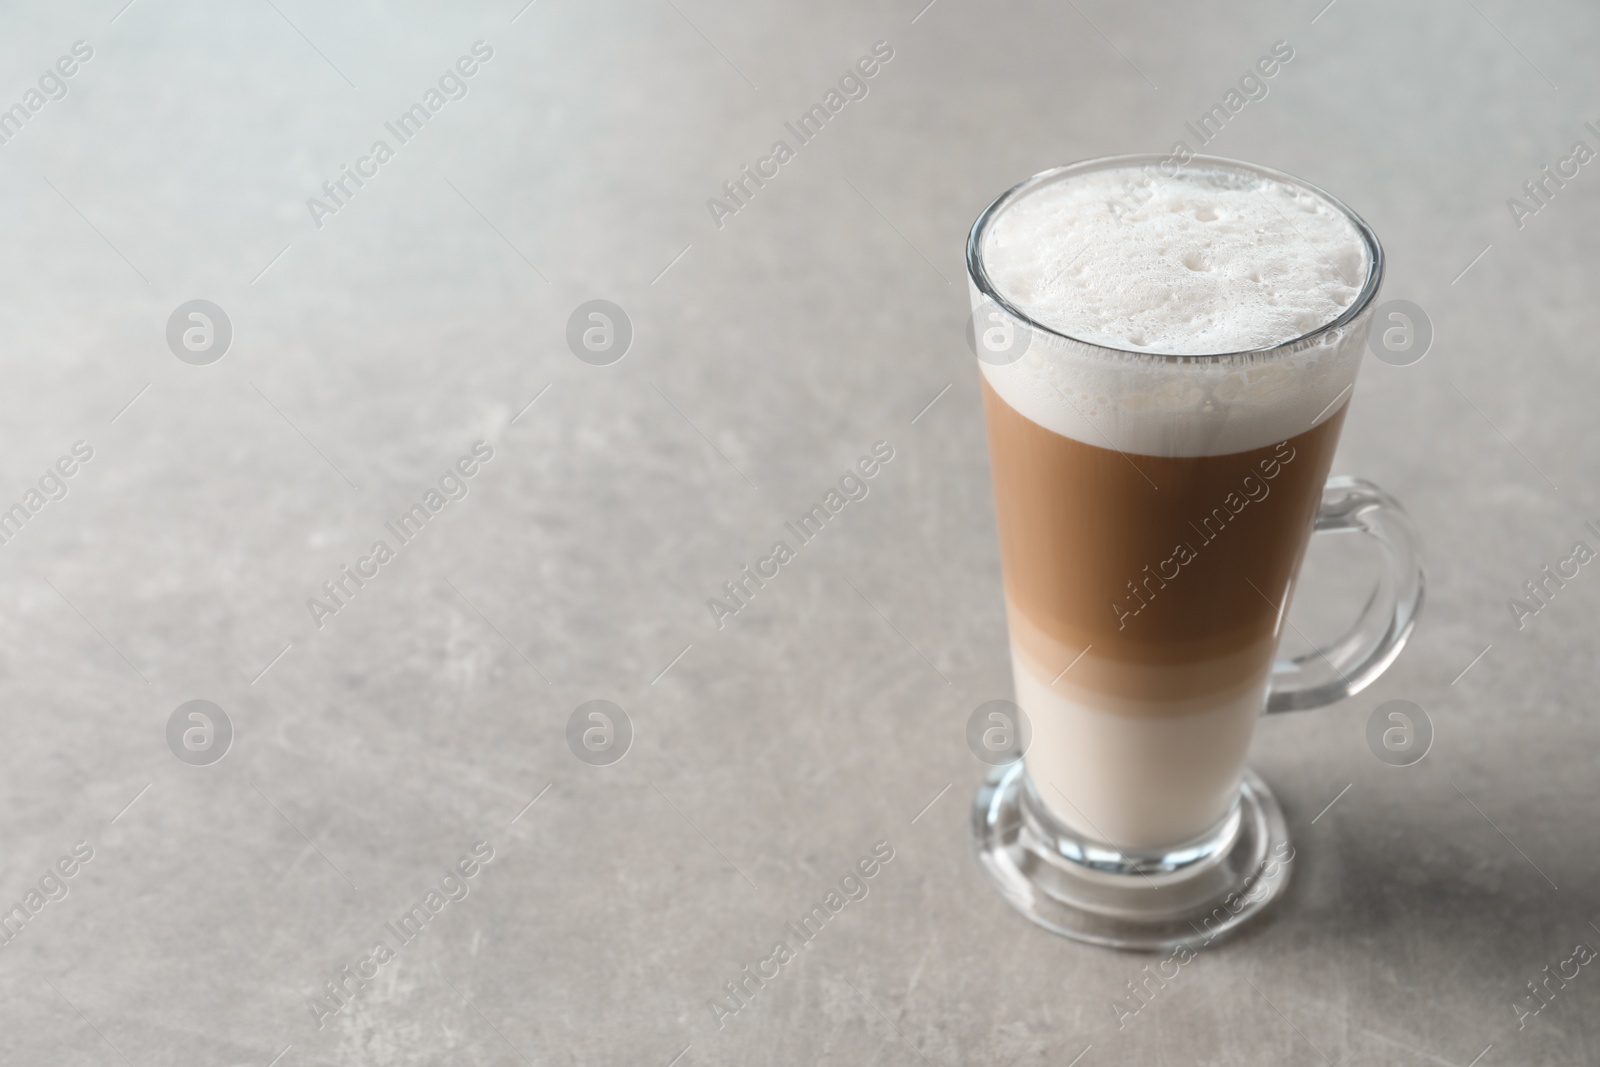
[{"x": 371, "y": 754}]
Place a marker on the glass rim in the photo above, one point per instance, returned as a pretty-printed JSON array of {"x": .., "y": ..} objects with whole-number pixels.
[{"x": 979, "y": 275}]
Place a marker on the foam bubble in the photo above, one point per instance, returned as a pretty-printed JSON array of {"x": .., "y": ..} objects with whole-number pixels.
[
  {"x": 1211, "y": 261},
  {"x": 1207, "y": 262}
]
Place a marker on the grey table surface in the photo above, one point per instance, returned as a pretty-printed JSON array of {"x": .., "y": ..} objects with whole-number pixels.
[{"x": 375, "y": 342}]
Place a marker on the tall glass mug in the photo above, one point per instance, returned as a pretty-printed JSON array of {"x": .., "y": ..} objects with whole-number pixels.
[{"x": 1153, "y": 511}]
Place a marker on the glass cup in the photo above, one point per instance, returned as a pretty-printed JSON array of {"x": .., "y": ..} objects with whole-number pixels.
[{"x": 1146, "y": 592}]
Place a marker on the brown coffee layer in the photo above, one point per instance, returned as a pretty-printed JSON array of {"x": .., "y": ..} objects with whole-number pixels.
[
  {"x": 1131, "y": 687},
  {"x": 1172, "y": 569}
]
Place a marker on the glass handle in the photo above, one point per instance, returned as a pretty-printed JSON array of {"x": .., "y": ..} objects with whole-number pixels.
[{"x": 1325, "y": 676}]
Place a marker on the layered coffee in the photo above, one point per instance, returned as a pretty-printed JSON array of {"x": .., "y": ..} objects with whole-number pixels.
[{"x": 1159, "y": 453}]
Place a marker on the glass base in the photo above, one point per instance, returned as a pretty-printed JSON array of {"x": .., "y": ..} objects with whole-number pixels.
[{"x": 1190, "y": 895}]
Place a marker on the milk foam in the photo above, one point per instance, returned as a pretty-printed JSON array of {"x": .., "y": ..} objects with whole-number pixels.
[
  {"x": 1212, "y": 261},
  {"x": 1206, "y": 262}
]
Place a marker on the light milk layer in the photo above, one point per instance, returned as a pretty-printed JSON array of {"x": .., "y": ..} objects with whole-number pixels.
[{"x": 1135, "y": 781}]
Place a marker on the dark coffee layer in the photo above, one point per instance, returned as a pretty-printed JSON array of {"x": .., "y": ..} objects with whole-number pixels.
[{"x": 1174, "y": 567}]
